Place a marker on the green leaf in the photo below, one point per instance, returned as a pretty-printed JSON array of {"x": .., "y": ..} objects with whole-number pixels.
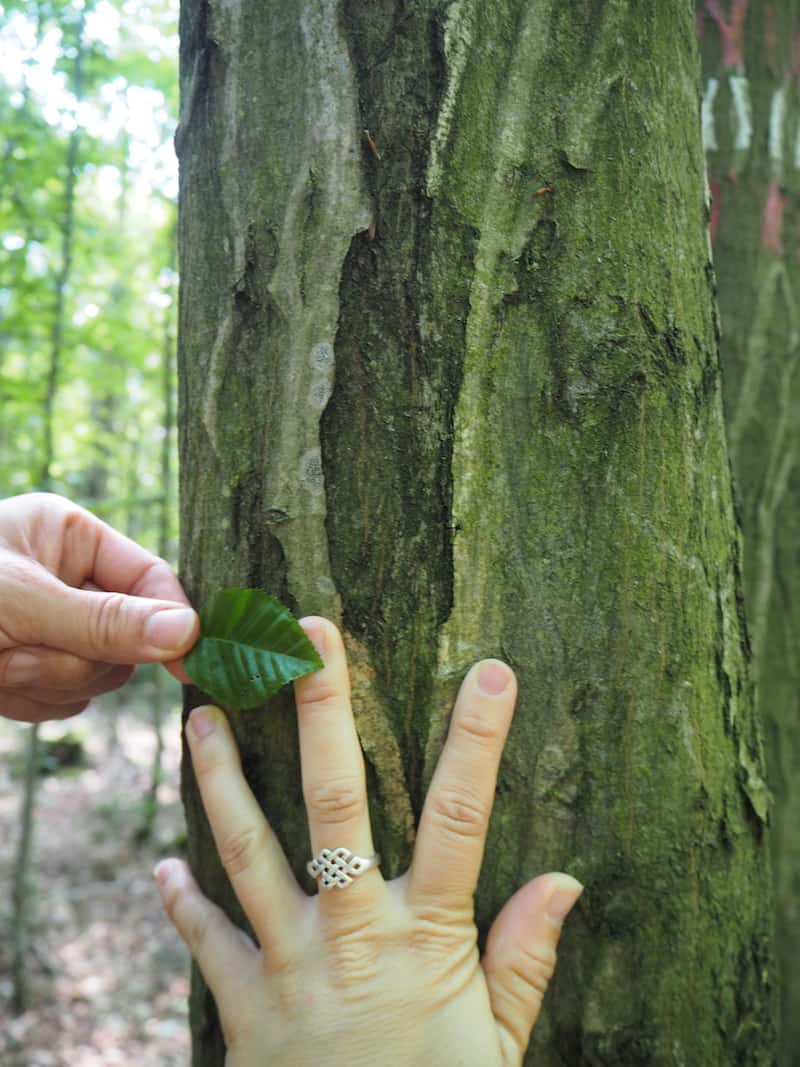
[{"x": 250, "y": 647}]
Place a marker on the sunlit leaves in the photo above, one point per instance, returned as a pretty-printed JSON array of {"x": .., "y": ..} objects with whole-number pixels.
[{"x": 118, "y": 313}]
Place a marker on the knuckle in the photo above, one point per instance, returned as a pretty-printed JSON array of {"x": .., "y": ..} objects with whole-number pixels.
[
  {"x": 533, "y": 966},
  {"x": 478, "y": 729},
  {"x": 452, "y": 919},
  {"x": 198, "y": 929},
  {"x": 238, "y": 851},
  {"x": 321, "y": 696},
  {"x": 212, "y": 755},
  {"x": 443, "y": 933},
  {"x": 354, "y": 962},
  {"x": 193, "y": 918},
  {"x": 456, "y": 811},
  {"x": 74, "y": 673},
  {"x": 10, "y": 675},
  {"x": 354, "y": 952},
  {"x": 105, "y": 620},
  {"x": 337, "y": 800}
]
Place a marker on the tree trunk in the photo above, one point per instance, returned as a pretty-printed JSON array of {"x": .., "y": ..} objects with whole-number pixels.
[
  {"x": 161, "y": 693},
  {"x": 751, "y": 114},
  {"x": 449, "y": 375}
]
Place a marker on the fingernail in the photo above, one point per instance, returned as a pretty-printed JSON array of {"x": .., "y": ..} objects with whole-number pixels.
[
  {"x": 171, "y": 629},
  {"x": 22, "y": 669},
  {"x": 315, "y": 632},
  {"x": 493, "y": 677},
  {"x": 169, "y": 872},
  {"x": 563, "y": 899},
  {"x": 202, "y": 723}
]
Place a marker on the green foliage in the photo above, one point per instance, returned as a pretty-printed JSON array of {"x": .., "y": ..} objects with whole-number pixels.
[
  {"x": 102, "y": 75},
  {"x": 251, "y": 646}
]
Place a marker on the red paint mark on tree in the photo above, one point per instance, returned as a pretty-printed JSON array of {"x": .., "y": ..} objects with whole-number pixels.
[
  {"x": 731, "y": 29},
  {"x": 772, "y": 221},
  {"x": 716, "y": 205}
]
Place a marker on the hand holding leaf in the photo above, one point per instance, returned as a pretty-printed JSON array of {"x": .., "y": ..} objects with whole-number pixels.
[{"x": 250, "y": 647}]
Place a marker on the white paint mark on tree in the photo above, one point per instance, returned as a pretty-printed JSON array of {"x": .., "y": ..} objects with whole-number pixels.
[
  {"x": 742, "y": 112},
  {"x": 777, "y": 113},
  {"x": 709, "y": 128},
  {"x": 709, "y": 125}
]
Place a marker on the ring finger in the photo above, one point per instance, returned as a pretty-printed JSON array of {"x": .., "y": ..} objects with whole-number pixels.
[{"x": 334, "y": 784}]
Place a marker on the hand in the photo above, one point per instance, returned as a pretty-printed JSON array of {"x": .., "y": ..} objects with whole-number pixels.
[
  {"x": 79, "y": 604},
  {"x": 376, "y": 972}
]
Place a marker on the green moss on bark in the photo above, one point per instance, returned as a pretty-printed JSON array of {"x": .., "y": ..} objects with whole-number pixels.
[{"x": 521, "y": 454}]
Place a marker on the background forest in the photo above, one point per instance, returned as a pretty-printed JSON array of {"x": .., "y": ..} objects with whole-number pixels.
[{"x": 88, "y": 185}]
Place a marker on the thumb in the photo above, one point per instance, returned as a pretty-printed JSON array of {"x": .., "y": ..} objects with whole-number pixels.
[
  {"x": 109, "y": 627},
  {"x": 520, "y": 955}
]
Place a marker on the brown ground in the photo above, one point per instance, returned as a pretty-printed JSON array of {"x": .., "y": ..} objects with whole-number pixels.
[{"x": 109, "y": 978}]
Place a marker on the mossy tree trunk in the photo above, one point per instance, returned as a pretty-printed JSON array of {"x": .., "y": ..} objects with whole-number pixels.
[
  {"x": 449, "y": 375},
  {"x": 752, "y": 131}
]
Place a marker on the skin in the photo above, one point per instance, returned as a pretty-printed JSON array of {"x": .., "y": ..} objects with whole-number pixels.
[
  {"x": 378, "y": 967},
  {"x": 80, "y": 606},
  {"x": 377, "y": 970}
]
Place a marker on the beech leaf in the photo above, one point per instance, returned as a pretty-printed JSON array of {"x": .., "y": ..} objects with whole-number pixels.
[{"x": 250, "y": 647}]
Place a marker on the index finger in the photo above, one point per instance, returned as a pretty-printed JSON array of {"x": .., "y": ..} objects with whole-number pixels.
[
  {"x": 455, "y": 817},
  {"x": 95, "y": 552},
  {"x": 103, "y": 558}
]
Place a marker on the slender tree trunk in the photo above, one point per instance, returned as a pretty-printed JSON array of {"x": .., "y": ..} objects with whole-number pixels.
[
  {"x": 23, "y": 888},
  {"x": 161, "y": 695},
  {"x": 751, "y": 115},
  {"x": 24, "y": 891},
  {"x": 449, "y": 375}
]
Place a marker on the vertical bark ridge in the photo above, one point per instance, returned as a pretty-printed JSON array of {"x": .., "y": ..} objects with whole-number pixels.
[{"x": 387, "y": 432}]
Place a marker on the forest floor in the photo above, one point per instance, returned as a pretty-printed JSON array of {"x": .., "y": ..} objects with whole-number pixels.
[{"x": 109, "y": 975}]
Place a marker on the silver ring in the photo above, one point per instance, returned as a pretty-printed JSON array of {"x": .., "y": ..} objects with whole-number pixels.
[{"x": 335, "y": 868}]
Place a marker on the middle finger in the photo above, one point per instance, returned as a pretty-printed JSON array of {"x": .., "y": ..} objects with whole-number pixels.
[{"x": 334, "y": 783}]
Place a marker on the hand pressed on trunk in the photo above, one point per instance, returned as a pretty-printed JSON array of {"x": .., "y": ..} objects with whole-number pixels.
[{"x": 374, "y": 971}]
